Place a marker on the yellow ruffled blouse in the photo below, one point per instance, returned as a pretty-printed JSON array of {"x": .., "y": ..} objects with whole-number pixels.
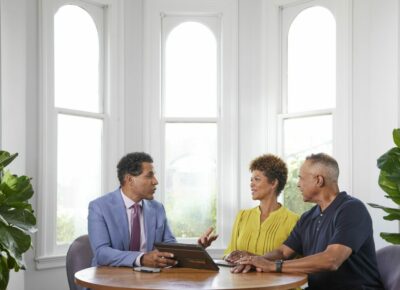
[{"x": 249, "y": 235}]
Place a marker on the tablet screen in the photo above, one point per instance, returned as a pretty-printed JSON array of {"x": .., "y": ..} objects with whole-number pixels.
[{"x": 188, "y": 255}]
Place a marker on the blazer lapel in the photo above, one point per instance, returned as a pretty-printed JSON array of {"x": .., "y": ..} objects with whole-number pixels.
[
  {"x": 149, "y": 218},
  {"x": 121, "y": 218}
]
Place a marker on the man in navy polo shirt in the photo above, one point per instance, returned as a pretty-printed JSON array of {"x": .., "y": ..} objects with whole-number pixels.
[{"x": 334, "y": 237}]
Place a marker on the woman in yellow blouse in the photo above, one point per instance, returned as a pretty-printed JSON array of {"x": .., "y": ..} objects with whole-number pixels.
[{"x": 263, "y": 228}]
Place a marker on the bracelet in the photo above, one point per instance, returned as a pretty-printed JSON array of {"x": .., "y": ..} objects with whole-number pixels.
[{"x": 278, "y": 266}]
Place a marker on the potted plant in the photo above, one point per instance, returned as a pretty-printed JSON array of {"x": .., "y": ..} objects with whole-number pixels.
[
  {"x": 17, "y": 220},
  {"x": 389, "y": 181}
]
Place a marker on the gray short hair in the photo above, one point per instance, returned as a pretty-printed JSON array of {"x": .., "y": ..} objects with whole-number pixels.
[{"x": 331, "y": 165}]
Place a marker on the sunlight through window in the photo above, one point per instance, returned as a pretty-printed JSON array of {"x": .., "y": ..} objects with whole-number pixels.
[
  {"x": 311, "y": 87},
  {"x": 190, "y": 77},
  {"x": 312, "y": 61},
  {"x": 191, "y": 72},
  {"x": 76, "y": 60},
  {"x": 79, "y": 135}
]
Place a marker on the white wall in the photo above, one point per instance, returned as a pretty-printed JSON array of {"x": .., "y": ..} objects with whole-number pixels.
[
  {"x": 252, "y": 104},
  {"x": 375, "y": 98},
  {"x": 13, "y": 93}
]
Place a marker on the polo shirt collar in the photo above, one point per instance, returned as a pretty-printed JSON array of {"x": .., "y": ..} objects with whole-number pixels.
[{"x": 332, "y": 207}]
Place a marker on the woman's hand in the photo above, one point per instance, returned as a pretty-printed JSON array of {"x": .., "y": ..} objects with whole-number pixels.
[{"x": 234, "y": 256}]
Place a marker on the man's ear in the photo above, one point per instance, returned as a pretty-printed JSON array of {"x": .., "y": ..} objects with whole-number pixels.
[
  {"x": 129, "y": 179},
  {"x": 320, "y": 180}
]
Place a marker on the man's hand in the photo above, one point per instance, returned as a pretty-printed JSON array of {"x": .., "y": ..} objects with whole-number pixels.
[
  {"x": 234, "y": 256},
  {"x": 158, "y": 259},
  {"x": 241, "y": 268},
  {"x": 261, "y": 264},
  {"x": 207, "y": 238}
]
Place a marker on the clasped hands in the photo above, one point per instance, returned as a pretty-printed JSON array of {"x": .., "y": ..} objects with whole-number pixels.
[{"x": 249, "y": 262}]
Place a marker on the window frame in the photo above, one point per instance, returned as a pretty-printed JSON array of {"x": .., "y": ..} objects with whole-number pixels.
[
  {"x": 341, "y": 114},
  {"x": 154, "y": 121},
  {"x": 169, "y": 23},
  {"x": 48, "y": 254}
]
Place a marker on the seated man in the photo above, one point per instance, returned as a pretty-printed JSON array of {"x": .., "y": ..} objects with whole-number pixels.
[
  {"x": 335, "y": 236},
  {"x": 124, "y": 225}
]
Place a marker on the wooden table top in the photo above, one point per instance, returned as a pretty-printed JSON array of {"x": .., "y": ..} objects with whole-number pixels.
[{"x": 119, "y": 278}]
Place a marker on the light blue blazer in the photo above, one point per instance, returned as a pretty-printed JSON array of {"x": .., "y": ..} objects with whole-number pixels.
[{"x": 109, "y": 229}]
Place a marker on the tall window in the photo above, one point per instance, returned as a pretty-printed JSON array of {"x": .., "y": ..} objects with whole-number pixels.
[
  {"x": 191, "y": 105},
  {"x": 78, "y": 120},
  {"x": 78, "y": 103},
  {"x": 190, "y": 118},
  {"x": 309, "y": 88}
]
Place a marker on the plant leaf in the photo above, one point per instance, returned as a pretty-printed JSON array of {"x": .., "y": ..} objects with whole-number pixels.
[
  {"x": 394, "y": 197},
  {"x": 390, "y": 161},
  {"x": 386, "y": 209},
  {"x": 4, "y": 272},
  {"x": 393, "y": 238},
  {"x": 16, "y": 188},
  {"x": 392, "y": 217},
  {"x": 6, "y": 158},
  {"x": 396, "y": 136},
  {"x": 387, "y": 185},
  {"x": 15, "y": 241},
  {"x": 20, "y": 218}
]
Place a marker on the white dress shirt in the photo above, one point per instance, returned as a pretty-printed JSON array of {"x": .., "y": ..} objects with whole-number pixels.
[{"x": 128, "y": 206}]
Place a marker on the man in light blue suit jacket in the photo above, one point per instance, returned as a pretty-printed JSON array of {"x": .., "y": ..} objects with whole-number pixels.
[{"x": 108, "y": 220}]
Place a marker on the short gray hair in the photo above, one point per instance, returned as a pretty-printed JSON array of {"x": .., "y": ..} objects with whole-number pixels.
[{"x": 331, "y": 165}]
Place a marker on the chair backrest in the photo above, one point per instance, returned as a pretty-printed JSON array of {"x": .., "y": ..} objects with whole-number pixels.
[
  {"x": 389, "y": 266},
  {"x": 79, "y": 256}
]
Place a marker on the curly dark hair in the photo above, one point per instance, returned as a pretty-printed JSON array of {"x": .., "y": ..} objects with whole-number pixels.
[
  {"x": 273, "y": 168},
  {"x": 131, "y": 163}
]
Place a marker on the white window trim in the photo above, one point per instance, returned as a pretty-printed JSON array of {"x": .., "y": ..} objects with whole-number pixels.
[
  {"x": 227, "y": 205},
  {"x": 290, "y": 116},
  {"x": 113, "y": 129},
  {"x": 342, "y": 129}
]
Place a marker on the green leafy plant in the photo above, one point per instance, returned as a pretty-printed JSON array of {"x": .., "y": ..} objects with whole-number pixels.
[
  {"x": 17, "y": 220},
  {"x": 389, "y": 181}
]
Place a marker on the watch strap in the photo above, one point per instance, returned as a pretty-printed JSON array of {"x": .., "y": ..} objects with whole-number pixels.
[{"x": 278, "y": 266}]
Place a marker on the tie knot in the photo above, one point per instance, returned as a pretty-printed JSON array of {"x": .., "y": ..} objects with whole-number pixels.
[{"x": 136, "y": 206}]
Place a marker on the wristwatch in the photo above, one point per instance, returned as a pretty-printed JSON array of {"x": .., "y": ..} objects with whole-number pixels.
[{"x": 278, "y": 266}]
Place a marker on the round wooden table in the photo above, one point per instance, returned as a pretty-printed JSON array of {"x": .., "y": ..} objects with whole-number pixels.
[{"x": 118, "y": 278}]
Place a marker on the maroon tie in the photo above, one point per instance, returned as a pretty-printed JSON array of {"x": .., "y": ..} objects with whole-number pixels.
[{"x": 135, "y": 228}]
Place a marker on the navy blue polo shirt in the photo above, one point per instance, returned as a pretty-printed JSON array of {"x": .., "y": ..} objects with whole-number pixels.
[{"x": 345, "y": 221}]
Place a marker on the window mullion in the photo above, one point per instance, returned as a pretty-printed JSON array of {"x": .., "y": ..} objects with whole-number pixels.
[{"x": 80, "y": 113}]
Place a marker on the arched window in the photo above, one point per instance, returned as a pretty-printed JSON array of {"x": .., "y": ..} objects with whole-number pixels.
[
  {"x": 78, "y": 120},
  {"x": 191, "y": 72},
  {"x": 190, "y": 118},
  {"x": 309, "y": 88},
  {"x": 77, "y": 92},
  {"x": 76, "y": 60},
  {"x": 79, "y": 136},
  {"x": 312, "y": 61}
]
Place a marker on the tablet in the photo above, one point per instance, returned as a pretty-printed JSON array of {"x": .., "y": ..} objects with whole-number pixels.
[{"x": 188, "y": 255}]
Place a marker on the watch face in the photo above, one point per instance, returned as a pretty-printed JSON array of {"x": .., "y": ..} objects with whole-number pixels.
[{"x": 278, "y": 266}]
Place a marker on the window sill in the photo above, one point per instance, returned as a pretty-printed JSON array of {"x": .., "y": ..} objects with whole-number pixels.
[{"x": 50, "y": 262}]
